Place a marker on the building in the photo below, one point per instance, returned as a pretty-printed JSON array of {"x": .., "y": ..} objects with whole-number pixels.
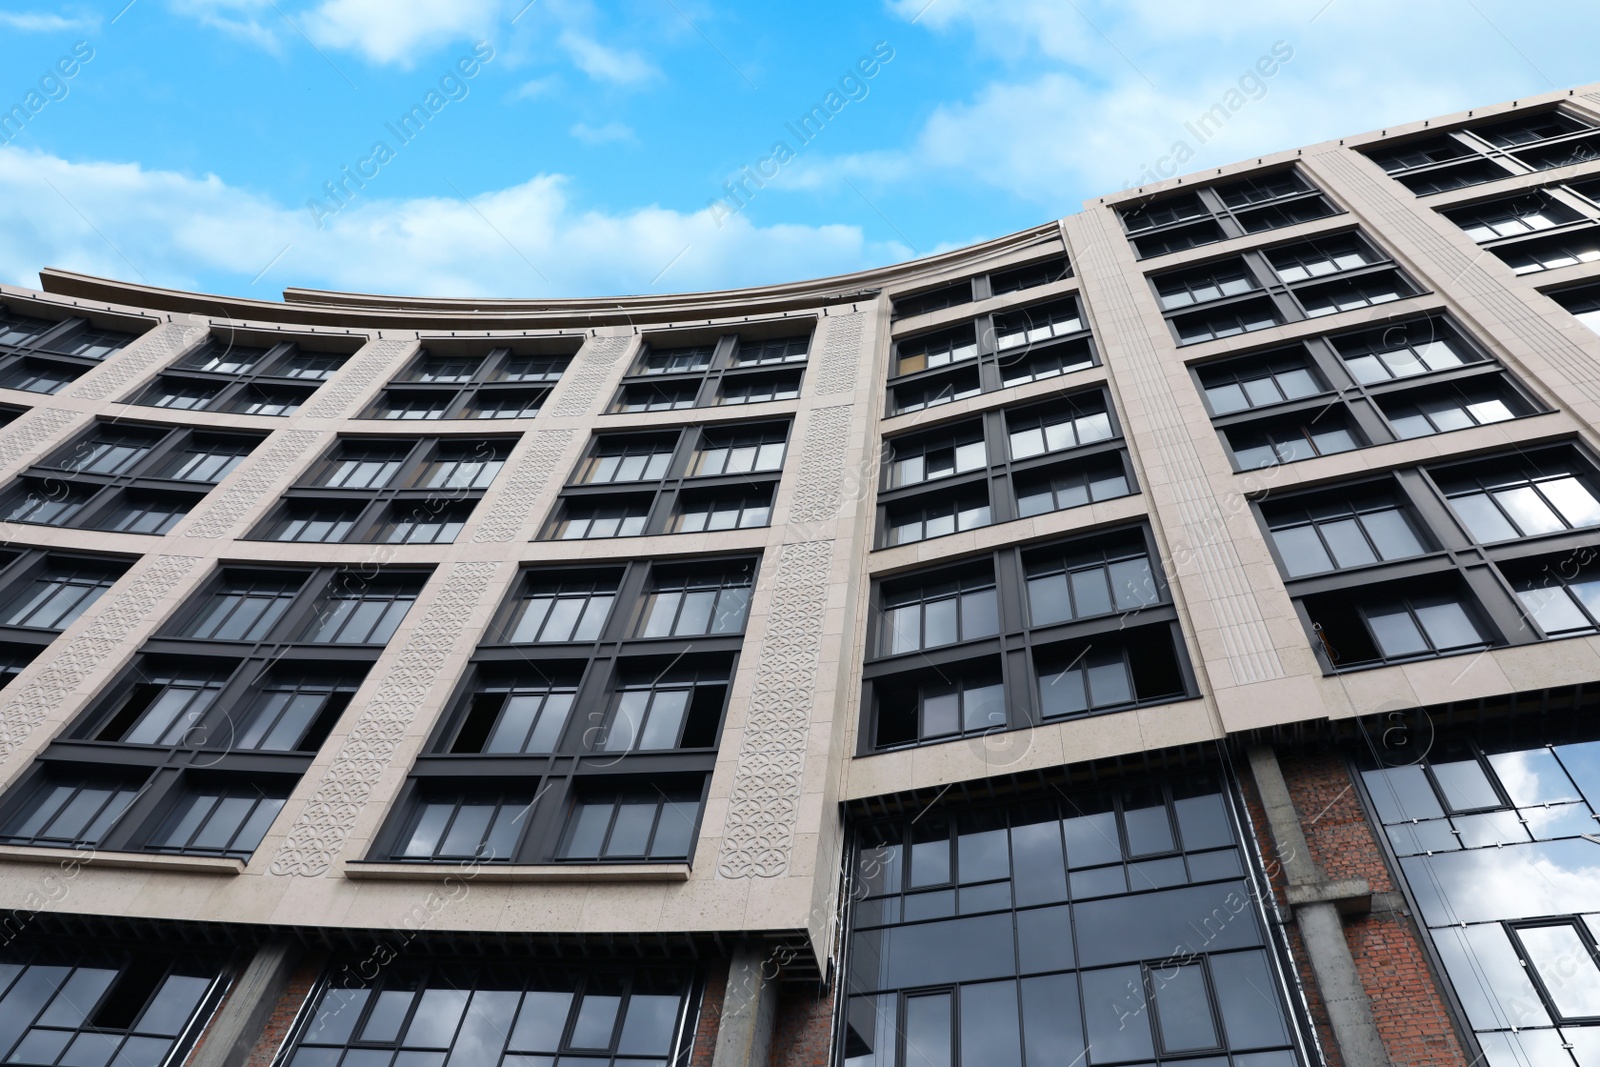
[{"x": 1166, "y": 635}]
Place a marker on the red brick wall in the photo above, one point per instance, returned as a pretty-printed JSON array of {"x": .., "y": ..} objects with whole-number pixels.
[
  {"x": 283, "y": 1014},
  {"x": 803, "y": 1031},
  {"x": 705, "y": 1032},
  {"x": 1407, "y": 1004}
]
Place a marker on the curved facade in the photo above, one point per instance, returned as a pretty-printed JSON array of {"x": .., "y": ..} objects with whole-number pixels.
[{"x": 1002, "y": 658}]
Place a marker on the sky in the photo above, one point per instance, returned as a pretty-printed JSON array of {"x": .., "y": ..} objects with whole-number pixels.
[{"x": 501, "y": 148}]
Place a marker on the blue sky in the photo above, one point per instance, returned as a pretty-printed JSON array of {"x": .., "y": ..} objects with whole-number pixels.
[{"x": 572, "y": 147}]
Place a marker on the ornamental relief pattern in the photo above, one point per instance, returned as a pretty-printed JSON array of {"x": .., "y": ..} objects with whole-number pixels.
[
  {"x": 106, "y": 635},
  {"x": 257, "y": 480},
  {"x": 362, "y": 374},
  {"x": 23, "y": 439},
  {"x": 589, "y": 376},
  {"x": 512, "y": 507},
  {"x": 822, "y": 460},
  {"x": 157, "y": 346},
  {"x": 764, "y": 805},
  {"x": 840, "y": 354},
  {"x": 318, "y": 835}
]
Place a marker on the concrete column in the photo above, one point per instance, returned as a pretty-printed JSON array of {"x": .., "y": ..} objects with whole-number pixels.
[
  {"x": 1318, "y": 904},
  {"x": 744, "y": 1033},
  {"x": 244, "y": 1013}
]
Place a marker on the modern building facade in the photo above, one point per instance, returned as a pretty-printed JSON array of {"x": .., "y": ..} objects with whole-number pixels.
[{"x": 1169, "y": 635}]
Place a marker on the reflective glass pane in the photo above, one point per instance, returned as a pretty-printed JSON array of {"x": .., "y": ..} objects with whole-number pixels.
[
  {"x": 1483, "y": 519},
  {"x": 1053, "y": 1033},
  {"x": 1302, "y": 551},
  {"x": 1251, "y": 1012},
  {"x": 1119, "y": 1022},
  {"x": 1466, "y": 787},
  {"x": 1348, "y": 544},
  {"x": 989, "y": 1031},
  {"x": 1183, "y": 1010},
  {"x": 928, "y": 1031},
  {"x": 1568, "y": 970}
]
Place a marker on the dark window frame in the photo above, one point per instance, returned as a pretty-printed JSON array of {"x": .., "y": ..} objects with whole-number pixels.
[
  {"x": 705, "y": 386},
  {"x": 45, "y": 350},
  {"x": 463, "y": 396},
  {"x": 1442, "y": 160},
  {"x": 1223, "y": 211}
]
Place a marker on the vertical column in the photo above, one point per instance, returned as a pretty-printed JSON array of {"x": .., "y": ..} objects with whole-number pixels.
[
  {"x": 744, "y": 1036},
  {"x": 243, "y": 1015},
  {"x": 1317, "y": 905}
]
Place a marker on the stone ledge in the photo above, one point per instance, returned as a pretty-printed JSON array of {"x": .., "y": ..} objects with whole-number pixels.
[
  {"x": 358, "y": 870},
  {"x": 1351, "y": 896},
  {"x": 142, "y": 861}
]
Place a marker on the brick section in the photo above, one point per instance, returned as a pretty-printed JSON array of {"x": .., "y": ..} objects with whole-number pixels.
[
  {"x": 282, "y": 1018},
  {"x": 802, "y": 1034},
  {"x": 710, "y": 1019},
  {"x": 1407, "y": 1002}
]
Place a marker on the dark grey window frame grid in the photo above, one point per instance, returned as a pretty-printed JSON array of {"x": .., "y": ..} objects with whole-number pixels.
[
  {"x": 458, "y": 396},
  {"x": 1269, "y": 293},
  {"x": 1578, "y": 197},
  {"x": 233, "y": 389},
  {"x": 1001, "y": 282},
  {"x": 1216, "y": 218},
  {"x": 1452, "y": 558},
  {"x": 999, "y": 476},
  {"x": 1016, "y": 649},
  {"x": 706, "y": 386},
  {"x": 597, "y": 669},
  {"x": 19, "y": 567},
  {"x": 1358, "y": 403},
  {"x": 662, "y": 498},
  {"x": 39, "y": 351},
  {"x": 1476, "y": 159}
]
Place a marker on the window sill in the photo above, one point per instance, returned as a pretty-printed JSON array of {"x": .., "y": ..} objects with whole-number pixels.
[
  {"x": 143, "y": 861},
  {"x": 361, "y": 870}
]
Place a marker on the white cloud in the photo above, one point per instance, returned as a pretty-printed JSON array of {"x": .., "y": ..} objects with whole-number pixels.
[
  {"x": 37, "y": 22},
  {"x": 398, "y": 31},
  {"x": 253, "y": 21},
  {"x": 532, "y": 90},
  {"x": 606, "y": 134},
  {"x": 606, "y": 64},
  {"x": 528, "y": 240}
]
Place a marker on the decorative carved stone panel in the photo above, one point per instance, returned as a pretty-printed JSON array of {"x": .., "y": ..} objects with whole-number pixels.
[
  {"x": 66, "y": 668},
  {"x": 318, "y": 836},
  {"x": 155, "y": 348},
  {"x": 589, "y": 375},
  {"x": 767, "y": 784},
  {"x": 353, "y": 381},
  {"x": 841, "y": 353},
  {"x": 510, "y": 509},
  {"x": 26, "y": 438},
  {"x": 822, "y": 460},
  {"x": 259, "y": 478}
]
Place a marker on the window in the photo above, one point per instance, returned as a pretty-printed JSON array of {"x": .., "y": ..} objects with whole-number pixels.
[
  {"x": 1404, "y": 352},
  {"x": 936, "y": 514},
  {"x": 357, "y": 610},
  {"x": 1521, "y": 958},
  {"x": 1433, "y": 411},
  {"x": 1256, "y": 446},
  {"x": 582, "y": 519},
  {"x": 293, "y": 711},
  {"x": 1523, "y": 496},
  {"x": 660, "y": 710},
  {"x": 673, "y": 373},
  {"x": 525, "y": 718},
  {"x": 689, "y": 479},
  {"x": 388, "y": 490},
  {"x": 1483, "y": 152},
  {"x": 1059, "y": 454},
  {"x": 127, "y": 477},
  {"x": 992, "y": 351},
  {"x": 39, "y": 355},
  {"x": 1242, "y": 384},
  {"x": 1262, "y": 288},
  {"x": 1030, "y": 934},
  {"x": 741, "y": 452},
  {"x": 90, "y": 1004},
  {"x": 66, "y": 812},
  {"x": 1338, "y": 532},
  {"x": 690, "y": 602},
  {"x": 229, "y": 373},
  {"x": 1071, "y": 485},
  {"x": 1396, "y": 623},
  {"x": 932, "y": 456},
  {"x": 218, "y": 822},
  {"x": 1561, "y": 594},
  {"x": 474, "y": 826},
  {"x": 1583, "y": 303},
  {"x": 654, "y": 825},
  {"x": 452, "y": 378},
  {"x": 722, "y": 510},
  {"x": 937, "y": 611},
  {"x": 1000, "y": 283},
  {"x": 1095, "y": 630},
  {"x": 1174, "y": 222},
  {"x": 1034, "y": 432},
  {"x": 58, "y": 592},
  {"x": 422, "y": 1014},
  {"x": 560, "y": 607}
]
